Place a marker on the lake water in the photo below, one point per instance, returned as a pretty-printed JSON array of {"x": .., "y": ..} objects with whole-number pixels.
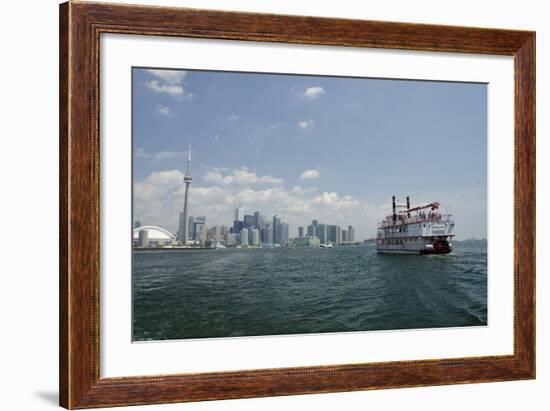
[{"x": 181, "y": 294}]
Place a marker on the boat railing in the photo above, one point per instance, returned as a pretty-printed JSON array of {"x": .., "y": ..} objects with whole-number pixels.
[{"x": 424, "y": 218}]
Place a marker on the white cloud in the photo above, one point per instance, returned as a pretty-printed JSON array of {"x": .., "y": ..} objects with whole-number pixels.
[
  {"x": 160, "y": 156},
  {"x": 166, "y": 155},
  {"x": 238, "y": 176},
  {"x": 169, "y": 76},
  {"x": 310, "y": 174},
  {"x": 305, "y": 124},
  {"x": 164, "y": 110},
  {"x": 141, "y": 153},
  {"x": 312, "y": 93},
  {"x": 232, "y": 117},
  {"x": 169, "y": 82}
]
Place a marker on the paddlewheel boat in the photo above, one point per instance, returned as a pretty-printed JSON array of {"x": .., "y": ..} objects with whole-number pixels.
[{"x": 415, "y": 230}]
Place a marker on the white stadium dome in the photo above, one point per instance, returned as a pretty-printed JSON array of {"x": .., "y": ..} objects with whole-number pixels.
[{"x": 154, "y": 233}]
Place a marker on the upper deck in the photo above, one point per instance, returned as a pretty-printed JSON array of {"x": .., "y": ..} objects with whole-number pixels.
[{"x": 421, "y": 221}]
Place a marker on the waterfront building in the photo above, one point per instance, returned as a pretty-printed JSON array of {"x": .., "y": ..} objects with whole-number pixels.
[
  {"x": 255, "y": 236},
  {"x": 322, "y": 233},
  {"x": 237, "y": 226},
  {"x": 258, "y": 220},
  {"x": 191, "y": 229},
  {"x": 215, "y": 234},
  {"x": 239, "y": 214},
  {"x": 198, "y": 225},
  {"x": 311, "y": 231},
  {"x": 300, "y": 232},
  {"x": 306, "y": 242},
  {"x": 276, "y": 232},
  {"x": 334, "y": 234},
  {"x": 351, "y": 234},
  {"x": 244, "y": 236},
  {"x": 232, "y": 239},
  {"x": 249, "y": 221},
  {"x": 187, "y": 180},
  {"x": 284, "y": 236},
  {"x": 152, "y": 236},
  {"x": 345, "y": 236},
  {"x": 200, "y": 233},
  {"x": 267, "y": 234},
  {"x": 143, "y": 240}
]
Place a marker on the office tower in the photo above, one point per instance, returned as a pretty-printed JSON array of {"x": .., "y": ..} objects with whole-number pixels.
[
  {"x": 258, "y": 220},
  {"x": 334, "y": 234},
  {"x": 191, "y": 230},
  {"x": 255, "y": 237},
  {"x": 244, "y": 236},
  {"x": 231, "y": 239},
  {"x": 344, "y": 236},
  {"x": 237, "y": 226},
  {"x": 275, "y": 228},
  {"x": 249, "y": 221},
  {"x": 311, "y": 232},
  {"x": 198, "y": 224},
  {"x": 267, "y": 234},
  {"x": 187, "y": 180},
  {"x": 351, "y": 234},
  {"x": 322, "y": 233},
  {"x": 215, "y": 234},
  {"x": 239, "y": 214},
  {"x": 200, "y": 233},
  {"x": 300, "y": 232},
  {"x": 283, "y": 239}
]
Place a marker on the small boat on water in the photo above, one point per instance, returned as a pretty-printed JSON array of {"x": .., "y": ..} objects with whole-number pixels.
[{"x": 415, "y": 230}]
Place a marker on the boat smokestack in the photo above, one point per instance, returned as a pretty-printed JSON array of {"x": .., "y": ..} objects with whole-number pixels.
[
  {"x": 393, "y": 208},
  {"x": 408, "y": 206}
]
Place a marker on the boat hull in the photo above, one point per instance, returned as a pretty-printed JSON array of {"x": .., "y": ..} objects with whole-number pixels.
[{"x": 413, "y": 252}]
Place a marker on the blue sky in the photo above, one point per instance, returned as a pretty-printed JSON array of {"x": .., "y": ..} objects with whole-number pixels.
[{"x": 305, "y": 147}]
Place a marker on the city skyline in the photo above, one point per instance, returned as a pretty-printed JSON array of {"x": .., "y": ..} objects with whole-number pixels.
[{"x": 240, "y": 158}]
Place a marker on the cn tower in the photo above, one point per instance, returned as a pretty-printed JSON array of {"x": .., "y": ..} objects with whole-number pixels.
[{"x": 187, "y": 180}]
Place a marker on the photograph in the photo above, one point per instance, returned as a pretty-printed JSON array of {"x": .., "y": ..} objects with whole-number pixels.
[{"x": 268, "y": 204}]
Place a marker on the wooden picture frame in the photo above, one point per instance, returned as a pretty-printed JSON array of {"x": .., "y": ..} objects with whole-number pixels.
[{"x": 80, "y": 27}]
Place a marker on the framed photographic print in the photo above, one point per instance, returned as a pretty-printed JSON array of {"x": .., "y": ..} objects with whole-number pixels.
[{"x": 256, "y": 205}]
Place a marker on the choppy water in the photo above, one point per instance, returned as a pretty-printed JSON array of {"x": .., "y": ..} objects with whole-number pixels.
[{"x": 247, "y": 292}]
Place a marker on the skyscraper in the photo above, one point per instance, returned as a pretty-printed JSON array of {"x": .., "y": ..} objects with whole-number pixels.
[
  {"x": 311, "y": 231},
  {"x": 198, "y": 224},
  {"x": 255, "y": 236},
  {"x": 322, "y": 233},
  {"x": 258, "y": 220},
  {"x": 334, "y": 234},
  {"x": 249, "y": 221},
  {"x": 191, "y": 230},
  {"x": 351, "y": 234},
  {"x": 284, "y": 238},
  {"x": 300, "y": 232},
  {"x": 276, "y": 232},
  {"x": 239, "y": 214},
  {"x": 187, "y": 180},
  {"x": 267, "y": 234},
  {"x": 244, "y": 236}
]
